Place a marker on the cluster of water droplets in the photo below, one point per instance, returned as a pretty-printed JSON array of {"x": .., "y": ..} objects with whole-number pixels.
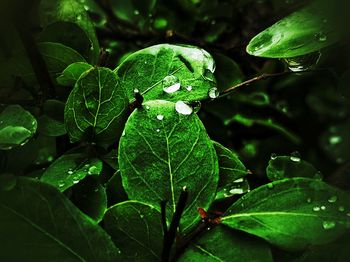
[
  {"x": 75, "y": 175},
  {"x": 237, "y": 187}
]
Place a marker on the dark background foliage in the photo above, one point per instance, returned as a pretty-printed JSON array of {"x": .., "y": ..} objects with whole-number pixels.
[{"x": 283, "y": 114}]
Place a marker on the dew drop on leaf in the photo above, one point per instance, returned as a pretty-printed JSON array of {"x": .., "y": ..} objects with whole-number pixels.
[
  {"x": 270, "y": 185},
  {"x": 316, "y": 208},
  {"x": 323, "y": 207},
  {"x": 321, "y": 37},
  {"x": 183, "y": 108},
  {"x": 61, "y": 183},
  {"x": 213, "y": 93},
  {"x": 328, "y": 224},
  {"x": 333, "y": 140},
  {"x": 189, "y": 88},
  {"x": 70, "y": 172},
  {"x": 341, "y": 209},
  {"x": 273, "y": 156},
  {"x": 295, "y": 157},
  {"x": 160, "y": 117},
  {"x": 332, "y": 199},
  {"x": 157, "y": 130},
  {"x": 93, "y": 170},
  {"x": 171, "y": 84}
]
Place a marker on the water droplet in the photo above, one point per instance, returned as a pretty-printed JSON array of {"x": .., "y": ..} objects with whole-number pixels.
[
  {"x": 316, "y": 208},
  {"x": 295, "y": 157},
  {"x": 93, "y": 170},
  {"x": 157, "y": 130},
  {"x": 142, "y": 216},
  {"x": 183, "y": 108},
  {"x": 321, "y": 37},
  {"x": 61, "y": 183},
  {"x": 323, "y": 207},
  {"x": 239, "y": 180},
  {"x": 147, "y": 107},
  {"x": 136, "y": 91},
  {"x": 160, "y": 117},
  {"x": 237, "y": 191},
  {"x": 136, "y": 12},
  {"x": 309, "y": 200},
  {"x": 328, "y": 224},
  {"x": 189, "y": 88},
  {"x": 70, "y": 172},
  {"x": 302, "y": 63},
  {"x": 119, "y": 252},
  {"x": 96, "y": 189},
  {"x": 270, "y": 185},
  {"x": 79, "y": 17},
  {"x": 348, "y": 214},
  {"x": 50, "y": 158},
  {"x": 332, "y": 199},
  {"x": 273, "y": 156},
  {"x": 333, "y": 140},
  {"x": 123, "y": 134},
  {"x": 75, "y": 180},
  {"x": 171, "y": 84},
  {"x": 213, "y": 93},
  {"x": 341, "y": 208}
]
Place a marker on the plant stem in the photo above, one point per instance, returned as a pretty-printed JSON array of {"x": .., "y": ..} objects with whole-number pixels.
[
  {"x": 169, "y": 237},
  {"x": 163, "y": 213}
]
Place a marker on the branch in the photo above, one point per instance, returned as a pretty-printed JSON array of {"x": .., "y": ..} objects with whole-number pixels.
[{"x": 169, "y": 237}]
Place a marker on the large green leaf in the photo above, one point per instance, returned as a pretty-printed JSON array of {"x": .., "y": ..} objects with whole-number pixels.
[
  {"x": 169, "y": 72},
  {"x": 53, "y": 12},
  {"x": 305, "y": 31},
  {"x": 96, "y": 108},
  {"x": 17, "y": 126},
  {"x": 38, "y": 223},
  {"x": 222, "y": 244},
  {"x": 70, "y": 169},
  {"x": 162, "y": 151},
  {"x": 281, "y": 167},
  {"x": 292, "y": 213},
  {"x": 136, "y": 229}
]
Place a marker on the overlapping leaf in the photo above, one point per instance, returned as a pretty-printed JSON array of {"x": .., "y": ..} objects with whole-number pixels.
[
  {"x": 292, "y": 213},
  {"x": 136, "y": 229},
  {"x": 163, "y": 151},
  {"x": 96, "y": 108},
  {"x": 169, "y": 72},
  {"x": 37, "y": 222}
]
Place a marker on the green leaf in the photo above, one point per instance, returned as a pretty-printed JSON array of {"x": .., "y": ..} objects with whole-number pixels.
[
  {"x": 71, "y": 74},
  {"x": 17, "y": 126},
  {"x": 227, "y": 73},
  {"x": 97, "y": 104},
  {"x": 90, "y": 197},
  {"x": 56, "y": 56},
  {"x": 231, "y": 169},
  {"x": 38, "y": 222},
  {"x": 281, "y": 167},
  {"x": 72, "y": 11},
  {"x": 292, "y": 213},
  {"x": 169, "y": 72},
  {"x": 136, "y": 229},
  {"x": 50, "y": 127},
  {"x": 69, "y": 169},
  {"x": 305, "y": 31},
  {"x": 222, "y": 244},
  {"x": 163, "y": 151}
]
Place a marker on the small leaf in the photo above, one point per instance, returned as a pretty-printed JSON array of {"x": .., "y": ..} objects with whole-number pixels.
[
  {"x": 292, "y": 213},
  {"x": 230, "y": 170},
  {"x": 221, "y": 244},
  {"x": 17, "y": 126},
  {"x": 70, "y": 169},
  {"x": 165, "y": 153},
  {"x": 168, "y": 72},
  {"x": 98, "y": 104},
  {"x": 281, "y": 167},
  {"x": 37, "y": 222},
  {"x": 305, "y": 31},
  {"x": 136, "y": 229},
  {"x": 72, "y": 73}
]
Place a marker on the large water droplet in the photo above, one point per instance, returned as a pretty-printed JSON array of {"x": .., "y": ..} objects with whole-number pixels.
[
  {"x": 183, "y": 108},
  {"x": 171, "y": 84},
  {"x": 332, "y": 199},
  {"x": 160, "y": 117},
  {"x": 302, "y": 63},
  {"x": 213, "y": 93},
  {"x": 237, "y": 191},
  {"x": 328, "y": 224}
]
